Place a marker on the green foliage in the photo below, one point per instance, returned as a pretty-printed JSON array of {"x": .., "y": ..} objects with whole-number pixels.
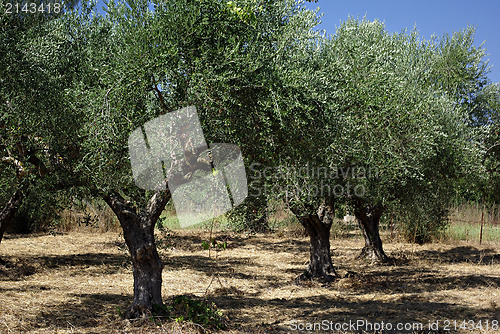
[
  {"x": 458, "y": 68},
  {"x": 460, "y": 71},
  {"x": 119, "y": 312},
  {"x": 40, "y": 210},
  {"x": 263, "y": 78},
  {"x": 164, "y": 238},
  {"x": 36, "y": 73},
  {"x": 203, "y": 53},
  {"x": 489, "y": 104},
  {"x": 214, "y": 244},
  {"x": 185, "y": 308},
  {"x": 245, "y": 14},
  {"x": 423, "y": 219},
  {"x": 400, "y": 118},
  {"x": 251, "y": 216}
]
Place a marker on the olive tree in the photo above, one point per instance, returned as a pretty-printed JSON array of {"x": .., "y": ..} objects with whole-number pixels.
[
  {"x": 461, "y": 70},
  {"x": 399, "y": 131},
  {"x": 138, "y": 64},
  {"x": 490, "y": 104},
  {"x": 35, "y": 71}
]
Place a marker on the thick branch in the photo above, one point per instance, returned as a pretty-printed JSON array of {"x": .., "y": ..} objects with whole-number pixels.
[
  {"x": 155, "y": 206},
  {"x": 119, "y": 205},
  {"x": 149, "y": 214},
  {"x": 492, "y": 147},
  {"x": 31, "y": 158}
]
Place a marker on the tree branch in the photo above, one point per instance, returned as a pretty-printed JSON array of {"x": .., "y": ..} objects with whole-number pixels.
[
  {"x": 119, "y": 205},
  {"x": 159, "y": 95},
  {"x": 155, "y": 206},
  {"x": 21, "y": 170},
  {"x": 488, "y": 150},
  {"x": 492, "y": 147}
]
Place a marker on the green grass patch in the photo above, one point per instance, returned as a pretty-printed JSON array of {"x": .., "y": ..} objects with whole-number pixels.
[{"x": 471, "y": 232}]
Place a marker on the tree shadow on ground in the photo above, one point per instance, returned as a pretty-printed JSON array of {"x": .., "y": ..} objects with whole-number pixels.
[
  {"x": 398, "y": 292},
  {"x": 287, "y": 245},
  {"x": 14, "y": 236},
  {"x": 249, "y": 312},
  {"x": 83, "y": 311},
  {"x": 420, "y": 272},
  {"x": 466, "y": 254},
  {"x": 252, "y": 310},
  {"x": 410, "y": 279},
  {"x": 223, "y": 268},
  {"x": 14, "y": 269},
  {"x": 17, "y": 268},
  {"x": 194, "y": 242},
  {"x": 403, "y": 276},
  {"x": 82, "y": 260}
]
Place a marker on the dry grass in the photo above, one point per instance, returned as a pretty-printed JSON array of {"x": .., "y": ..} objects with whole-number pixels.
[
  {"x": 473, "y": 213},
  {"x": 94, "y": 216},
  {"x": 74, "y": 283}
]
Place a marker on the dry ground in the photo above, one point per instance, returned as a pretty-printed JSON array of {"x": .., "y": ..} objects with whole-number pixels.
[{"x": 75, "y": 283}]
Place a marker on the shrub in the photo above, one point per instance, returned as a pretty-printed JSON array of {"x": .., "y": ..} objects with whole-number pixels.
[
  {"x": 201, "y": 312},
  {"x": 250, "y": 216},
  {"x": 423, "y": 219}
]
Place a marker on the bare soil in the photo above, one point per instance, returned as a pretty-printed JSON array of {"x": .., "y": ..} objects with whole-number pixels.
[{"x": 80, "y": 282}]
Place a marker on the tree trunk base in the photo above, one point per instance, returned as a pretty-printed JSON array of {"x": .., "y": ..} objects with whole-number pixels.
[
  {"x": 372, "y": 255},
  {"x": 142, "y": 311},
  {"x": 137, "y": 312},
  {"x": 307, "y": 276},
  {"x": 368, "y": 219},
  {"x": 318, "y": 226}
]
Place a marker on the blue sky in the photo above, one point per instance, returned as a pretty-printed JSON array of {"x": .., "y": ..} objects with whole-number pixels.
[{"x": 430, "y": 17}]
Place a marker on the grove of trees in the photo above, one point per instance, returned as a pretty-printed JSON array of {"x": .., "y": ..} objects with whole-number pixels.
[{"x": 384, "y": 122}]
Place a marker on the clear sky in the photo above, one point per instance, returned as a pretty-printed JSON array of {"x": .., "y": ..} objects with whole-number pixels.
[{"x": 430, "y": 17}]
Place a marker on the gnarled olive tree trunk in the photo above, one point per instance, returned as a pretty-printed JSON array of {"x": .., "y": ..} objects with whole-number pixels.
[
  {"x": 138, "y": 231},
  {"x": 318, "y": 226},
  {"x": 369, "y": 218}
]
